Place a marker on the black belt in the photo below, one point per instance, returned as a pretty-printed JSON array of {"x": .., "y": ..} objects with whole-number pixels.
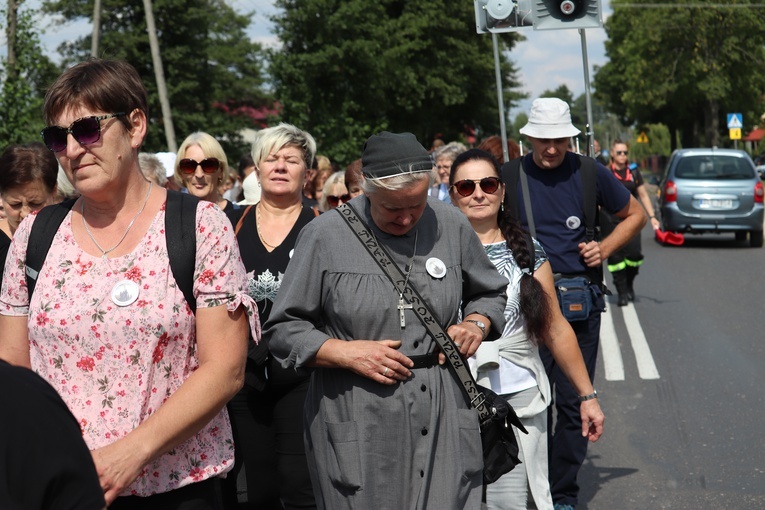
[{"x": 424, "y": 361}]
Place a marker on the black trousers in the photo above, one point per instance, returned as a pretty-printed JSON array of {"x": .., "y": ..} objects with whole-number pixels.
[
  {"x": 269, "y": 446},
  {"x": 205, "y": 495},
  {"x": 567, "y": 447}
]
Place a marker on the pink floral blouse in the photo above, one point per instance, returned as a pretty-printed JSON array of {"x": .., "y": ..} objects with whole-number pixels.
[{"x": 115, "y": 365}]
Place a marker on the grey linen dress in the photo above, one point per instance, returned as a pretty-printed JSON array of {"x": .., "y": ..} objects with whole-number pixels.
[{"x": 413, "y": 445}]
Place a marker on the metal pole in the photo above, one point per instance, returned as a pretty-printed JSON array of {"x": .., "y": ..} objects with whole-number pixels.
[
  {"x": 500, "y": 101},
  {"x": 159, "y": 74},
  {"x": 96, "y": 37},
  {"x": 589, "y": 133}
]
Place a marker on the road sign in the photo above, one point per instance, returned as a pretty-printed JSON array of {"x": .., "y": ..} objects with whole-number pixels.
[
  {"x": 642, "y": 138},
  {"x": 735, "y": 121},
  {"x": 735, "y": 133}
]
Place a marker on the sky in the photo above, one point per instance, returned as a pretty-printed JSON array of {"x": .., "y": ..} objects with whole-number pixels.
[{"x": 546, "y": 60}]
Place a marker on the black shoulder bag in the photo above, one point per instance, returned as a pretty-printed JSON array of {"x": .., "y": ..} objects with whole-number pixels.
[{"x": 500, "y": 448}]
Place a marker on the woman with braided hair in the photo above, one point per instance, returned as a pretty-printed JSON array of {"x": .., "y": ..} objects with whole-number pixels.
[{"x": 511, "y": 366}]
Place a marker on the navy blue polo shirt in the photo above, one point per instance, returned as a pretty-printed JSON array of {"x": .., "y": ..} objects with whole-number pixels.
[{"x": 556, "y": 203}]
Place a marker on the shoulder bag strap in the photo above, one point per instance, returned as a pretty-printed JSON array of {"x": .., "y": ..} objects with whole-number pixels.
[
  {"x": 241, "y": 219},
  {"x": 181, "y": 239},
  {"x": 41, "y": 236},
  {"x": 457, "y": 365},
  {"x": 527, "y": 201}
]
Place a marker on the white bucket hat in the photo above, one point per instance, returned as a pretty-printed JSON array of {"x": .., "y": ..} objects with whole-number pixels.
[{"x": 550, "y": 118}]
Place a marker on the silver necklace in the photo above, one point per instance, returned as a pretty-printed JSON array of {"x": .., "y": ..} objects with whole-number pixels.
[
  {"x": 402, "y": 305},
  {"x": 87, "y": 230}
]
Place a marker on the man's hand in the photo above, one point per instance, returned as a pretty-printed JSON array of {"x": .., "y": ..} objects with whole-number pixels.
[{"x": 591, "y": 253}]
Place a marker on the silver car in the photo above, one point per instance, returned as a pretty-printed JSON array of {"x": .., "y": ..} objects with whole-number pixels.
[{"x": 712, "y": 190}]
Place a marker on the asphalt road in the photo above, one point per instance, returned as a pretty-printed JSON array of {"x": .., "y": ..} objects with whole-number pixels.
[{"x": 693, "y": 438}]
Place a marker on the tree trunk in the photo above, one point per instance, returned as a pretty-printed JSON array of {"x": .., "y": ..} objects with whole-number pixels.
[
  {"x": 12, "y": 70},
  {"x": 712, "y": 124}
]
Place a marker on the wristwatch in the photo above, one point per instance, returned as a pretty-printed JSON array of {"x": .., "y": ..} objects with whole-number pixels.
[
  {"x": 591, "y": 396},
  {"x": 480, "y": 325}
]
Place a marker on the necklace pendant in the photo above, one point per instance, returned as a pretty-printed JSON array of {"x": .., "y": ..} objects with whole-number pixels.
[
  {"x": 401, "y": 307},
  {"x": 125, "y": 293},
  {"x": 104, "y": 256}
]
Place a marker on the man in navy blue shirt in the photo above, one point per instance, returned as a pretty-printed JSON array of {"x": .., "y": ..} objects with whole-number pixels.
[{"x": 557, "y": 203}]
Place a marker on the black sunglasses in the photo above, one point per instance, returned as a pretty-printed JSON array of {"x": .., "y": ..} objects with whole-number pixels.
[
  {"x": 189, "y": 166},
  {"x": 466, "y": 187},
  {"x": 621, "y": 153},
  {"x": 86, "y": 130},
  {"x": 334, "y": 201}
]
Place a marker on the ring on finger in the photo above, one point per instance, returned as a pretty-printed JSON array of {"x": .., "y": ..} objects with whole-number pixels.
[{"x": 386, "y": 371}]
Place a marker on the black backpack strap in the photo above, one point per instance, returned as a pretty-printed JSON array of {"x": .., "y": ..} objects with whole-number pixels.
[
  {"x": 41, "y": 236},
  {"x": 510, "y": 175},
  {"x": 588, "y": 171},
  {"x": 181, "y": 238}
]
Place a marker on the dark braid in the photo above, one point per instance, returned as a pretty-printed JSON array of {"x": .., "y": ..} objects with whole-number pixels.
[{"x": 534, "y": 305}]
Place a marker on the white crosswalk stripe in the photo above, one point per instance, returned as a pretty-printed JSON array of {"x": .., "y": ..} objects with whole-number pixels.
[
  {"x": 609, "y": 347},
  {"x": 613, "y": 363}
]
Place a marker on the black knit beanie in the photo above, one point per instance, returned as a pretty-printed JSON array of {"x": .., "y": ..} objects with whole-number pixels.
[{"x": 388, "y": 154}]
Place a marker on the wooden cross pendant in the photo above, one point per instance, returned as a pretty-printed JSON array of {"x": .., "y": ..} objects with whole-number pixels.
[{"x": 401, "y": 307}]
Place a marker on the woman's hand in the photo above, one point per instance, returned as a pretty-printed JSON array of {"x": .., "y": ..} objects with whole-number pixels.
[
  {"x": 467, "y": 337},
  {"x": 378, "y": 360},
  {"x": 592, "y": 419},
  {"x": 117, "y": 465}
]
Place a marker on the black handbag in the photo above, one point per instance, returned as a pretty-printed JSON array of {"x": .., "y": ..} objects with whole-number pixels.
[{"x": 495, "y": 414}]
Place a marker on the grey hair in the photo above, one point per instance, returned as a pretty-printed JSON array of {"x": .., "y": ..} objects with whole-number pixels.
[
  {"x": 449, "y": 151},
  {"x": 152, "y": 168},
  {"x": 275, "y": 138},
  {"x": 396, "y": 182}
]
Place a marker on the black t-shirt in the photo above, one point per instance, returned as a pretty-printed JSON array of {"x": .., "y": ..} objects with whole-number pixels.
[
  {"x": 44, "y": 462},
  {"x": 265, "y": 271},
  {"x": 631, "y": 179}
]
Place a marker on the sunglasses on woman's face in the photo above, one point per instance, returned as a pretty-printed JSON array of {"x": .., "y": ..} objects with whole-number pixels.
[
  {"x": 621, "y": 153},
  {"x": 466, "y": 187},
  {"x": 189, "y": 166},
  {"x": 334, "y": 201},
  {"x": 86, "y": 130}
]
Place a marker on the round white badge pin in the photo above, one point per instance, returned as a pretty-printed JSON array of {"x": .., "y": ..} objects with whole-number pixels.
[
  {"x": 125, "y": 293},
  {"x": 572, "y": 222},
  {"x": 435, "y": 267}
]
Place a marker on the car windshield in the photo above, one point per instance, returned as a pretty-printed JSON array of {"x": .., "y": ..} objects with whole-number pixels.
[{"x": 714, "y": 167}]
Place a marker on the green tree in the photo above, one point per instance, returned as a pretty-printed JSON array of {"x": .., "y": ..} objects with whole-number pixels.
[
  {"x": 214, "y": 73},
  {"x": 348, "y": 69},
  {"x": 685, "y": 67},
  {"x": 23, "y": 85}
]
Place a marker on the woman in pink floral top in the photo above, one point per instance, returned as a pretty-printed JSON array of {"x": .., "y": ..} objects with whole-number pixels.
[{"x": 107, "y": 325}]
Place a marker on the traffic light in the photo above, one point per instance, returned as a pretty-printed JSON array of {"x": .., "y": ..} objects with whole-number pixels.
[
  {"x": 563, "y": 14},
  {"x": 502, "y": 15}
]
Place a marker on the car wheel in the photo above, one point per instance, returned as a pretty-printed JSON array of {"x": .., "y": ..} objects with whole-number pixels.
[
  {"x": 740, "y": 236},
  {"x": 755, "y": 238}
]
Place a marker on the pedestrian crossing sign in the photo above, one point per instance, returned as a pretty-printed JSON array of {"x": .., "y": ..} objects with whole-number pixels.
[{"x": 735, "y": 121}]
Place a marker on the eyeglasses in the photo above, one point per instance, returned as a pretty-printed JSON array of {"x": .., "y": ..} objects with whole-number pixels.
[
  {"x": 189, "y": 166},
  {"x": 334, "y": 201},
  {"x": 86, "y": 130},
  {"x": 621, "y": 153},
  {"x": 466, "y": 187}
]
